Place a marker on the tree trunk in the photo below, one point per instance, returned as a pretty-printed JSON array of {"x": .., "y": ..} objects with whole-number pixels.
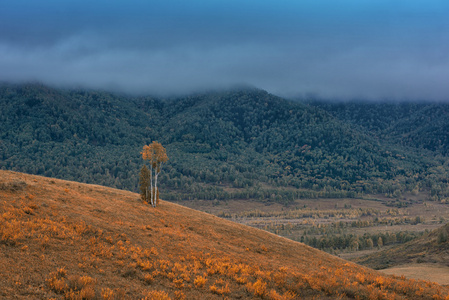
[
  {"x": 151, "y": 183},
  {"x": 157, "y": 170},
  {"x": 155, "y": 188}
]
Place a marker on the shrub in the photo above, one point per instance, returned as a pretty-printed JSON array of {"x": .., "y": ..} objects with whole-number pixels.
[
  {"x": 148, "y": 278},
  {"x": 157, "y": 295},
  {"x": 179, "y": 295},
  {"x": 86, "y": 293},
  {"x": 273, "y": 295},
  {"x": 258, "y": 288},
  {"x": 179, "y": 283},
  {"x": 200, "y": 281},
  {"x": 56, "y": 284},
  {"x": 107, "y": 294},
  {"x": 220, "y": 291},
  {"x": 13, "y": 186},
  {"x": 442, "y": 237}
]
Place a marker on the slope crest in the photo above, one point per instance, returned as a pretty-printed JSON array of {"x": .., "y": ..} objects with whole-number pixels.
[{"x": 62, "y": 239}]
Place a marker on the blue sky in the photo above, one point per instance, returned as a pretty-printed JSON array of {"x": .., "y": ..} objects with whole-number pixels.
[{"x": 396, "y": 49}]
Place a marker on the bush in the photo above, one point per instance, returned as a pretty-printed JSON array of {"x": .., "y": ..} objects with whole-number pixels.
[{"x": 442, "y": 237}]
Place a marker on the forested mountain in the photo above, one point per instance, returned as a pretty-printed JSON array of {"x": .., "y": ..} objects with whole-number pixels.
[
  {"x": 418, "y": 125},
  {"x": 235, "y": 144}
]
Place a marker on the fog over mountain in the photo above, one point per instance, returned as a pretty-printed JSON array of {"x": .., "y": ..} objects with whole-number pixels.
[{"x": 332, "y": 49}]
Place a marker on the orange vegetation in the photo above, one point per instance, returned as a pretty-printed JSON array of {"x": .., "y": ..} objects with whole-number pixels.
[{"x": 67, "y": 240}]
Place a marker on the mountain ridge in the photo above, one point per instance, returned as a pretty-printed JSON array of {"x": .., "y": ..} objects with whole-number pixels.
[
  {"x": 416, "y": 124},
  {"x": 249, "y": 141}
]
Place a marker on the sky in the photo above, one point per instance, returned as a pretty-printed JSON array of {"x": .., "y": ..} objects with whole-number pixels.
[{"x": 334, "y": 49}]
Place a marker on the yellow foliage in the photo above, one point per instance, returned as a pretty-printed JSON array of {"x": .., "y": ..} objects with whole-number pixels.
[
  {"x": 258, "y": 288},
  {"x": 179, "y": 295},
  {"x": 145, "y": 265},
  {"x": 361, "y": 278},
  {"x": 148, "y": 278},
  {"x": 178, "y": 283},
  {"x": 200, "y": 281},
  {"x": 289, "y": 295},
  {"x": 220, "y": 290},
  {"x": 57, "y": 285},
  {"x": 86, "y": 293},
  {"x": 157, "y": 295},
  {"x": 107, "y": 294}
]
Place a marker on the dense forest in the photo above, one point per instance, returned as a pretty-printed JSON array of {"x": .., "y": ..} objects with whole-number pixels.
[
  {"x": 418, "y": 125},
  {"x": 244, "y": 144}
]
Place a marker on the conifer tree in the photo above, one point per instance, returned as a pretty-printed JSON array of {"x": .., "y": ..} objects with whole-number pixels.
[{"x": 156, "y": 155}]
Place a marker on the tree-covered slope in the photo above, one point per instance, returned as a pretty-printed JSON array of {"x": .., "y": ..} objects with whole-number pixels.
[
  {"x": 293, "y": 143},
  {"x": 418, "y": 125},
  {"x": 90, "y": 136},
  {"x": 427, "y": 128},
  {"x": 235, "y": 144}
]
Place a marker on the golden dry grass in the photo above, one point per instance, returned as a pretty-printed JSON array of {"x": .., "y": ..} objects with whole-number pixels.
[
  {"x": 67, "y": 240},
  {"x": 431, "y": 272}
]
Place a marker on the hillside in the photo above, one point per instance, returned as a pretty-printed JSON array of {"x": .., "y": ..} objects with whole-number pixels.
[
  {"x": 430, "y": 248},
  {"x": 419, "y": 125},
  {"x": 242, "y": 144},
  {"x": 62, "y": 239}
]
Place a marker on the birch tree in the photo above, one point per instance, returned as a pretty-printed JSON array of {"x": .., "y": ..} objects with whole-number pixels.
[
  {"x": 156, "y": 155},
  {"x": 144, "y": 183}
]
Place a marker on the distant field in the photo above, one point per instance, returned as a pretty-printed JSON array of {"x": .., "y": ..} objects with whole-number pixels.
[{"x": 361, "y": 220}]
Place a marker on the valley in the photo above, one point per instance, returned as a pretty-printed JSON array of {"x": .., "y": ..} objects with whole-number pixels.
[{"x": 323, "y": 223}]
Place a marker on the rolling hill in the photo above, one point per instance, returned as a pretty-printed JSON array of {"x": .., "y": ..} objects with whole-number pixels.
[
  {"x": 241, "y": 144},
  {"x": 64, "y": 239},
  {"x": 430, "y": 248}
]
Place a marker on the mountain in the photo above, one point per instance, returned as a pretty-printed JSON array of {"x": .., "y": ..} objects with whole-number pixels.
[
  {"x": 64, "y": 239},
  {"x": 415, "y": 124},
  {"x": 242, "y": 144}
]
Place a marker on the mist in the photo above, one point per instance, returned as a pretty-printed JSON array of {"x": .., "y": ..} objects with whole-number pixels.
[{"x": 395, "y": 50}]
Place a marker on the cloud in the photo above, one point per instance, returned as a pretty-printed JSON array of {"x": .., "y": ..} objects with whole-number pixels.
[{"x": 364, "y": 49}]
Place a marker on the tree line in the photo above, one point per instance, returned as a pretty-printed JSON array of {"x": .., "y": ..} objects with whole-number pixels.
[{"x": 244, "y": 144}]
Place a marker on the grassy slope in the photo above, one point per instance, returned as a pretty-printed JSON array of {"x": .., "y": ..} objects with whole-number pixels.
[
  {"x": 431, "y": 272},
  {"x": 429, "y": 248},
  {"x": 67, "y": 239}
]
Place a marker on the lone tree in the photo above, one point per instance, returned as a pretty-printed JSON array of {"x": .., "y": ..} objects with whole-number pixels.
[
  {"x": 156, "y": 155},
  {"x": 144, "y": 183}
]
